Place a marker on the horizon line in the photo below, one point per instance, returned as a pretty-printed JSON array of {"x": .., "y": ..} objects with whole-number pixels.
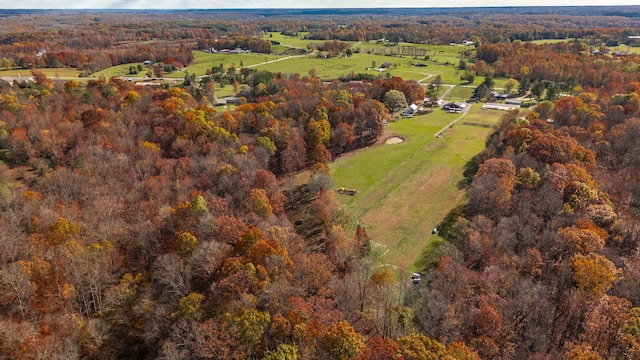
[{"x": 331, "y": 8}]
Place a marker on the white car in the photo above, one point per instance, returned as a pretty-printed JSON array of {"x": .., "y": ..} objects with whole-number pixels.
[{"x": 415, "y": 278}]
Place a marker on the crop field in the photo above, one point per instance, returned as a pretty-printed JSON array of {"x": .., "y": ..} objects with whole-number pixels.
[{"x": 406, "y": 189}]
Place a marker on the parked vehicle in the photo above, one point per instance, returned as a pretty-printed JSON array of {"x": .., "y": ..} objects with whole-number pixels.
[{"x": 415, "y": 278}]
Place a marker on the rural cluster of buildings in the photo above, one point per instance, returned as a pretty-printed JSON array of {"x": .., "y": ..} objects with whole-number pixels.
[{"x": 229, "y": 51}]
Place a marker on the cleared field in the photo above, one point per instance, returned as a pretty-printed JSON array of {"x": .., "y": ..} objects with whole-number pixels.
[
  {"x": 481, "y": 117},
  {"x": 406, "y": 189},
  {"x": 118, "y": 71},
  {"x": 202, "y": 62},
  {"x": 327, "y": 69},
  {"x": 293, "y": 41},
  {"x": 459, "y": 93},
  {"x": 633, "y": 48},
  {"x": 51, "y": 73},
  {"x": 550, "y": 41},
  {"x": 332, "y": 68},
  {"x": 623, "y": 48},
  {"x": 279, "y": 49}
]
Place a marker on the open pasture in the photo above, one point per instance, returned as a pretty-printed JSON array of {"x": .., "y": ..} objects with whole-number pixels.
[
  {"x": 291, "y": 41},
  {"x": 202, "y": 62},
  {"x": 327, "y": 69},
  {"x": 406, "y": 189},
  {"x": 332, "y": 68},
  {"x": 460, "y": 93},
  {"x": 53, "y": 74}
]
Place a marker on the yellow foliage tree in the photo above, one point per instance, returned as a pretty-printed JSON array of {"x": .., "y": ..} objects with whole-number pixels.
[
  {"x": 63, "y": 230},
  {"x": 416, "y": 346},
  {"x": 342, "y": 342},
  {"x": 593, "y": 273},
  {"x": 186, "y": 244},
  {"x": 259, "y": 202},
  {"x": 189, "y": 306}
]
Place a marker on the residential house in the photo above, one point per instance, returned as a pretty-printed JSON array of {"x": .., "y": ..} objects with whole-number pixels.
[
  {"x": 454, "y": 107},
  {"x": 500, "y": 95},
  {"x": 409, "y": 111}
]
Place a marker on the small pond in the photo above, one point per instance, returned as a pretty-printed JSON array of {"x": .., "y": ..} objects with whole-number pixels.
[{"x": 394, "y": 140}]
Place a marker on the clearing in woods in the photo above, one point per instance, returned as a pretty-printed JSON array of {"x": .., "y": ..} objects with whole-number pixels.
[{"x": 406, "y": 189}]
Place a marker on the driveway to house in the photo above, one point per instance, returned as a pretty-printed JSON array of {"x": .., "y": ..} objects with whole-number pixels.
[
  {"x": 446, "y": 92},
  {"x": 462, "y": 114}
]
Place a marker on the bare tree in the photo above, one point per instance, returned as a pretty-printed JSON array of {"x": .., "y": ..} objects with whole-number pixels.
[
  {"x": 17, "y": 286},
  {"x": 174, "y": 275}
]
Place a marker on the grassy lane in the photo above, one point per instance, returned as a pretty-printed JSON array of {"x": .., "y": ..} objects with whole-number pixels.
[
  {"x": 406, "y": 189},
  {"x": 52, "y": 74},
  {"x": 293, "y": 41}
]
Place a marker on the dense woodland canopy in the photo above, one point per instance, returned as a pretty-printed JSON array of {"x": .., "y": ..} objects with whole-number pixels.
[{"x": 142, "y": 223}]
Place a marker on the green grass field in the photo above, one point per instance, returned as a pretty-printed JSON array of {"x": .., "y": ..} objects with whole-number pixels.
[
  {"x": 406, "y": 189},
  {"x": 332, "y": 68},
  {"x": 117, "y": 71},
  {"x": 327, "y": 69},
  {"x": 294, "y": 41},
  {"x": 460, "y": 93},
  {"x": 202, "y": 62}
]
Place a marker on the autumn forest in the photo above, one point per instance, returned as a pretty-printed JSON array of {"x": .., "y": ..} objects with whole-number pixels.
[{"x": 144, "y": 222}]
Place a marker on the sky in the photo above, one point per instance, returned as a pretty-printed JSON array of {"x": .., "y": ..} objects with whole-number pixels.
[{"x": 281, "y": 4}]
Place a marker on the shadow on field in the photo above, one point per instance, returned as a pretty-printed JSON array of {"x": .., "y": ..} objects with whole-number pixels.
[
  {"x": 470, "y": 169},
  {"x": 447, "y": 233}
]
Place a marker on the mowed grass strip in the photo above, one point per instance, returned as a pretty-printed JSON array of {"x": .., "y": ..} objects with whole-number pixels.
[
  {"x": 52, "y": 74},
  {"x": 406, "y": 189},
  {"x": 294, "y": 41}
]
